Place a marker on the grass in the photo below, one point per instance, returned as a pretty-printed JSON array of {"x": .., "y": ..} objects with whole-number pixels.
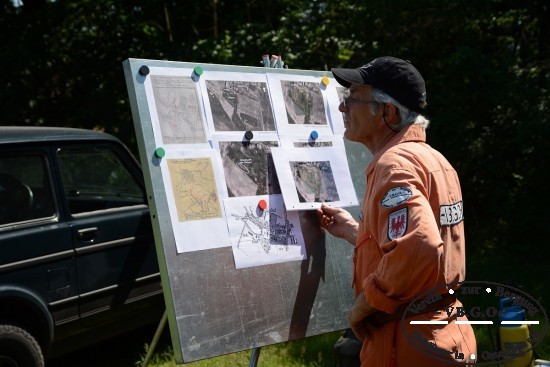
[
  {"x": 316, "y": 351},
  {"x": 129, "y": 350}
]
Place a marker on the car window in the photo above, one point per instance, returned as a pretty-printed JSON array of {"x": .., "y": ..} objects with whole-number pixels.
[
  {"x": 96, "y": 179},
  {"x": 25, "y": 190}
]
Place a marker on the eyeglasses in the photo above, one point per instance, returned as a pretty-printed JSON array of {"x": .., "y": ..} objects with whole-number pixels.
[{"x": 348, "y": 101}]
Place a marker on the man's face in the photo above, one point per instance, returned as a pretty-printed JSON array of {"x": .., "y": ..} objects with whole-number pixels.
[{"x": 359, "y": 120}]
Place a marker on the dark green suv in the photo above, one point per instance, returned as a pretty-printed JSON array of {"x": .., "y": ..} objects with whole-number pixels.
[{"x": 77, "y": 255}]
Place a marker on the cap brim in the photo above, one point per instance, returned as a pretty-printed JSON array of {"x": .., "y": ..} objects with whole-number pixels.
[{"x": 347, "y": 77}]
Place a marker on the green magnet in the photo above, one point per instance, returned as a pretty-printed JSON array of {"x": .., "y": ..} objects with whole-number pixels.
[
  {"x": 159, "y": 152},
  {"x": 198, "y": 70}
]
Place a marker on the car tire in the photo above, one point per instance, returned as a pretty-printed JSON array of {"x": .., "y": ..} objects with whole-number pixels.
[{"x": 18, "y": 348}]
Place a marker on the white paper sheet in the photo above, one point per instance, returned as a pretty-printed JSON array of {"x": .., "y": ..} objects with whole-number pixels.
[
  {"x": 193, "y": 182},
  {"x": 309, "y": 177},
  {"x": 237, "y": 102},
  {"x": 176, "y": 109},
  {"x": 299, "y": 103},
  {"x": 262, "y": 237}
]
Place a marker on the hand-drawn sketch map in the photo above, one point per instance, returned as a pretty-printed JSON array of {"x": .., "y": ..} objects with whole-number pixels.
[
  {"x": 194, "y": 189},
  {"x": 261, "y": 237},
  {"x": 178, "y": 109}
]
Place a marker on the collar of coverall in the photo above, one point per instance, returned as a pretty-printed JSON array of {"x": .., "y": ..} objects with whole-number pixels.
[{"x": 410, "y": 133}]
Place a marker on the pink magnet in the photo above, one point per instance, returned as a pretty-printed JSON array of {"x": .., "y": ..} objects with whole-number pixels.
[{"x": 262, "y": 204}]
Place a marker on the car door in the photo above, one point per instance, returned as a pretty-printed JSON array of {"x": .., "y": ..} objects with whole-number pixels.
[
  {"x": 37, "y": 254},
  {"x": 111, "y": 229}
]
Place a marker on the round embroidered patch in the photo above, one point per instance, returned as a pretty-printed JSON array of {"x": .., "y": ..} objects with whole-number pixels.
[{"x": 397, "y": 195}]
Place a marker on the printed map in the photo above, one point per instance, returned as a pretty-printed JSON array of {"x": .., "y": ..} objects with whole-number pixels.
[{"x": 194, "y": 187}]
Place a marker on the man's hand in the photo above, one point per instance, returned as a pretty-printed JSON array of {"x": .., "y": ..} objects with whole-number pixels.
[
  {"x": 360, "y": 310},
  {"x": 338, "y": 222}
]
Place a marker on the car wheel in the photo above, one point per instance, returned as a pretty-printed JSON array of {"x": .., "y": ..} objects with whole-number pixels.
[{"x": 18, "y": 348}]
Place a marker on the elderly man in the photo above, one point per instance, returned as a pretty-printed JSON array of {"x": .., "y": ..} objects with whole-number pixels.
[{"x": 410, "y": 236}]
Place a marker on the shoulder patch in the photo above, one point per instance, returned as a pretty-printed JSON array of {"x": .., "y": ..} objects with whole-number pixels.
[
  {"x": 395, "y": 196},
  {"x": 397, "y": 223},
  {"x": 450, "y": 215}
]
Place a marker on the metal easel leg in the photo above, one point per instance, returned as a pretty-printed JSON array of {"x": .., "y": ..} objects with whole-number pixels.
[
  {"x": 254, "y": 357},
  {"x": 155, "y": 340}
]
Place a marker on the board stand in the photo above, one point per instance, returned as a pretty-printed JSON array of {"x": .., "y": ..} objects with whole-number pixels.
[
  {"x": 253, "y": 358},
  {"x": 156, "y": 338},
  {"x": 308, "y": 275}
]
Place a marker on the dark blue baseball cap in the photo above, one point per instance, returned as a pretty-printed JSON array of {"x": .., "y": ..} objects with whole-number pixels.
[{"x": 395, "y": 77}]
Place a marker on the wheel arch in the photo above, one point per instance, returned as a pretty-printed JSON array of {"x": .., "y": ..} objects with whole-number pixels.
[{"x": 24, "y": 308}]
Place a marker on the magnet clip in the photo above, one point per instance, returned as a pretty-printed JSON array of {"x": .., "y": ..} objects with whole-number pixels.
[
  {"x": 262, "y": 204},
  {"x": 144, "y": 70},
  {"x": 160, "y": 152}
]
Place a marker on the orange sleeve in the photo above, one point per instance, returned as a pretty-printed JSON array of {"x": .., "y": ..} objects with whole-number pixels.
[{"x": 407, "y": 232}]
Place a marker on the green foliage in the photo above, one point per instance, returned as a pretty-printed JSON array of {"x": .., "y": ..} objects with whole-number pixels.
[{"x": 316, "y": 351}]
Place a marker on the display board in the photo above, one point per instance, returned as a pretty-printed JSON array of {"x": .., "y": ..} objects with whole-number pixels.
[{"x": 235, "y": 160}]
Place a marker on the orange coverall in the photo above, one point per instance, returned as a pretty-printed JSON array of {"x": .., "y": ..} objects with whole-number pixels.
[{"x": 410, "y": 239}]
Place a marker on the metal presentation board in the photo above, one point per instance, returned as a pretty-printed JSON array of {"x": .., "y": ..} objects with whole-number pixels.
[{"x": 214, "y": 308}]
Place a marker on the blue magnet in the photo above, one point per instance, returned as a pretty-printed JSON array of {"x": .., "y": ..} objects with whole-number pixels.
[{"x": 314, "y": 135}]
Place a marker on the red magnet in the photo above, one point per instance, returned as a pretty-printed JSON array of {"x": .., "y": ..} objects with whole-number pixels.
[{"x": 262, "y": 204}]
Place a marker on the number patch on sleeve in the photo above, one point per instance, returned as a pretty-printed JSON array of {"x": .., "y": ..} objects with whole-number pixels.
[{"x": 451, "y": 214}]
